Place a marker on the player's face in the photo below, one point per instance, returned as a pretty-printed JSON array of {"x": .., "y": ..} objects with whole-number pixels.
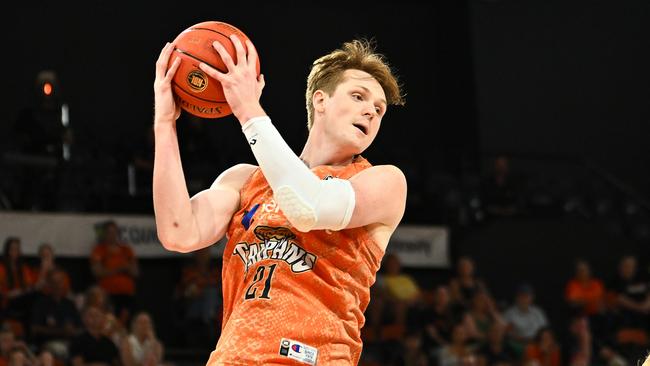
[{"x": 354, "y": 111}]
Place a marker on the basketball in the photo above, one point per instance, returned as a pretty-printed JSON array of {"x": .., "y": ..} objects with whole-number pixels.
[{"x": 195, "y": 91}]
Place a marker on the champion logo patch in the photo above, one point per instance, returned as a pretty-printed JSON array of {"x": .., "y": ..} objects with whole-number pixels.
[{"x": 298, "y": 351}]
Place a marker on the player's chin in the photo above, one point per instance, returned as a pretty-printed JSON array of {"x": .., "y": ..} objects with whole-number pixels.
[{"x": 361, "y": 145}]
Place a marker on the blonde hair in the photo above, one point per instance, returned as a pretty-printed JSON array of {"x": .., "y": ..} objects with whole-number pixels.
[{"x": 327, "y": 72}]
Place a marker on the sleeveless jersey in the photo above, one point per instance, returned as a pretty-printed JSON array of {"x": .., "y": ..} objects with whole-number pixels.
[{"x": 293, "y": 298}]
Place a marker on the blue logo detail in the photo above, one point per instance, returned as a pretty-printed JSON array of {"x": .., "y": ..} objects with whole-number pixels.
[
  {"x": 248, "y": 216},
  {"x": 296, "y": 348}
]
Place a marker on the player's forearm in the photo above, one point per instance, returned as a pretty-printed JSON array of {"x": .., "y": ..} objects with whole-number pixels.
[
  {"x": 307, "y": 202},
  {"x": 172, "y": 207}
]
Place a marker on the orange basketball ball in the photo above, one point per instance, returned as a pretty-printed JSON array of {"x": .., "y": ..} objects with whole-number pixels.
[{"x": 195, "y": 91}]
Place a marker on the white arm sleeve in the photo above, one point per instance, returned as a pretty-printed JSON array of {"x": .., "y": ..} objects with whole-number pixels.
[{"x": 308, "y": 202}]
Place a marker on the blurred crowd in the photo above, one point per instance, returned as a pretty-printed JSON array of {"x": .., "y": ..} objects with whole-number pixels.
[
  {"x": 45, "y": 322},
  {"x": 459, "y": 322}
]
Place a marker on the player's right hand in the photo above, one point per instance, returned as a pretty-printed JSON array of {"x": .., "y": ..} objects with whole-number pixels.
[{"x": 166, "y": 110}]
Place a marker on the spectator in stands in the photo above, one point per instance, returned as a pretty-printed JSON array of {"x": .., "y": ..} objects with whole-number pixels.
[
  {"x": 199, "y": 292},
  {"x": 8, "y": 344},
  {"x": 92, "y": 347},
  {"x": 458, "y": 352},
  {"x": 402, "y": 290},
  {"x": 412, "y": 353},
  {"x": 96, "y": 296},
  {"x": 45, "y": 358},
  {"x": 579, "y": 348},
  {"x": 496, "y": 351},
  {"x": 439, "y": 321},
  {"x": 141, "y": 347},
  {"x": 631, "y": 293},
  {"x": 584, "y": 292},
  {"x": 55, "y": 319},
  {"x": 47, "y": 263},
  {"x": 544, "y": 351},
  {"x": 16, "y": 282},
  {"x": 482, "y": 315},
  {"x": 116, "y": 269},
  {"x": 465, "y": 284},
  {"x": 7, "y": 340},
  {"x": 21, "y": 356},
  {"x": 201, "y": 288},
  {"x": 502, "y": 190},
  {"x": 524, "y": 319}
]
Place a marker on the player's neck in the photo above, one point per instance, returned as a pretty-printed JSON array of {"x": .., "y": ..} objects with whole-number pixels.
[{"x": 318, "y": 152}]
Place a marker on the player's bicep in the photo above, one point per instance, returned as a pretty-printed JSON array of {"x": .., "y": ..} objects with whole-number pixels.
[
  {"x": 380, "y": 196},
  {"x": 213, "y": 208}
]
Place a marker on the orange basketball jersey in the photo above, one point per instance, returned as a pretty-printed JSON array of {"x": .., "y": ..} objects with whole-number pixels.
[{"x": 293, "y": 298}]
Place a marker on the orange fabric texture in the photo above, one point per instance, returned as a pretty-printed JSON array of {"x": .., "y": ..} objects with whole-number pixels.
[
  {"x": 591, "y": 294},
  {"x": 113, "y": 257},
  {"x": 281, "y": 283},
  {"x": 29, "y": 278},
  {"x": 533, "y": 352}
]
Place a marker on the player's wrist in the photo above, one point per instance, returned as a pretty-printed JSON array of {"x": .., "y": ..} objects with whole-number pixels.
[{"x": 246, "y": 114}]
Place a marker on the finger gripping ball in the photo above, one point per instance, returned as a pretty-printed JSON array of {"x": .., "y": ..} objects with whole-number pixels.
[{"x": 195, "y": 91}]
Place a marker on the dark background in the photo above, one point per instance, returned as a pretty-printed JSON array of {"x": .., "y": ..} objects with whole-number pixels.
[{"x": 562, "y": 87}]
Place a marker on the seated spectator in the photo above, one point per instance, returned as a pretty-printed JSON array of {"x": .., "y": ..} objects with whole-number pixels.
[
  {"x": 482, "y": 315},
  {"x": 92, "y": 347},
  {"x": 47, "y": 263},
  {"x": 544, "y": 351},
  {"x": 631, "y": 295},
  {"x": 439, "y": 321},
  {"x": 200, "y": 287},
  {"x": 45, "y": 358},
  {"x": 465, "y": 284},
  {"x": 400, "y": 286},
  {"x": 10, "y": 346},
  {"x": 412, "y": 353},
  {"x": 496, "y": 351},
  {"x": 96, "y": 296},
  {"x": 458, "y": 352},
  {"x": 502, "y": 191},
  {"x": 401, "y": 289},
  {"x": 200, "y": 294},
  {"x": 55, "y": 319},
  {"x": 116, "y": 269},
  {"x": 585, "y": 293},
  {"x": 580, "y": 342},
  {"x": 141, "y": 347},
  {"x": 524, "y": 319},
  {"x": 16, "y": 283},
  {"x": 21, "y": 356}
]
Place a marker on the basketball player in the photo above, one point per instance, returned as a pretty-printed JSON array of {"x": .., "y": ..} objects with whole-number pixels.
[{"x": 306, "y": 234}]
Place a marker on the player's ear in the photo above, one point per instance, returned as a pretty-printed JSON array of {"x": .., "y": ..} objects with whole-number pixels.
[{"x": 318, "y": 99}]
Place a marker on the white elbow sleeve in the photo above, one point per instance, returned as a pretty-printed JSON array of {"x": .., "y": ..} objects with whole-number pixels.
[{"x": 308, "y": 202}]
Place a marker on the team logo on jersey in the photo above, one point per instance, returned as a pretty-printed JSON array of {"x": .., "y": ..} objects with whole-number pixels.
[{"x": 275, "y": 243}]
